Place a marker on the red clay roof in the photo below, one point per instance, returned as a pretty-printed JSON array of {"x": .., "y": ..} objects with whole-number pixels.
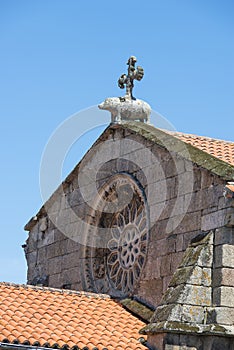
[
  {"x": 48, "y": 317},
  {"x": 223, "y": 150}
]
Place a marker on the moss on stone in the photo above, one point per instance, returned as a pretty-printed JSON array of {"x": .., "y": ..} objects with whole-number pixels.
[
  {"x": 185, "y": 150},
  {"x": 172, "y": 295},
  {"x": 168, "y": 327},
  {"x": 201, "y": 238},
  {"x": 163, "y": 313},
  {"x": 185, "y": 328},
  {"x": 137, "y": 308},
  {"x": 191, "y": 256},
  {"x": 181, "y": 276},
  {"x": 156, "y": 136}
]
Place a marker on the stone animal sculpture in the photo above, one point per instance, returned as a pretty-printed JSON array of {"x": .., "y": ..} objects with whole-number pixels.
[
  {"x": 128, "y": 107},
  {"x": 126, "y": 110}
]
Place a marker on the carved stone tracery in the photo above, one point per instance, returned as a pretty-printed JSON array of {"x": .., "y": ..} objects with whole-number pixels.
[{"x": 116, "y": 267}]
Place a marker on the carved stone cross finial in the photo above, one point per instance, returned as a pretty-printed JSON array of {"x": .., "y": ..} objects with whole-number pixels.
[
  {"x": 128, "y": 107},
  {"x": 133, "y": 73}
]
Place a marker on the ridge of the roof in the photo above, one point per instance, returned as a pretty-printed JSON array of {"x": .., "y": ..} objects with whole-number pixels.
[{"x": 56, "y": 290}]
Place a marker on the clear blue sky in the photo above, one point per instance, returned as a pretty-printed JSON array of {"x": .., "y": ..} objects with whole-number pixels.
[{"x": 58, "y": 57}]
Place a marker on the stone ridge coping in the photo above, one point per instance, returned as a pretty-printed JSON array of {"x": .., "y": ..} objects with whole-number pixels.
[
  {"x": 187, "y": 328},
  {"x": 185, "y": 150},
  {"x": 57, "y": 290},
  {"x": 137, "y": 308},
  {"x": 153, "y": 134}
]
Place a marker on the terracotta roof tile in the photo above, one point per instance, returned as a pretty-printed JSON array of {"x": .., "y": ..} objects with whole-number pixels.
[
  {"x": 221, "y": 149},
  {"x": 48, "y": 316}
]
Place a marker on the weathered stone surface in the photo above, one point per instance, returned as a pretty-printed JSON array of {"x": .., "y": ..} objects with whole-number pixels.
[
  {"x": 188, "y": 294},
  {"x": 42, "y": 254},
  {"x": 72, "y": 246},
  {"x": 184, "y": 223},
  {"x": 160, "y": 248},
  {"x": 224, "y": 235},
  {"x": 54, "y": 265},
  {"x": 165, "y": 269},
  {"x": 71, "y": 275},
  {"x": 71, "y": 259},
  {"x": 75, "y": 198},
  {"x": 151, "y": 291},
  {"x": 229, "y": 219},
  {"x": 45, "y": 238},
  {"x": 207, "y": 179},
  {"x": 167, "y": 312},
  {"x": 152, "y": 268},
  {"x": 138, "y": 308},
  {"x": 157, "y": 341},
  {"x": 166, "y": 208},
  {"x": 200, "y": 255},
  {"x": 55, "y": 280},
  {"x": 213, "y": 220},
  {"x": 223, "y": 277},
  {"x": 76, "y": 286},
  {"x": 179, "y": 347},
  {"x": 224, "y": 256},
  {"x": 32, "y": 258},
  {"x": 223, "y": 296},
  {"x": 201, "y": 276},
  {"x": 191, "y": 342},
  {"x": 181, "y": 276},
  {"x": 32, "y": 239},
  {"x": 186, "y": 181},
  {"x": 196, "y": 295},
  {"x": 192, "y": 314},
  {"x": 56, "y": 249},
  {"x": 179, "y": 246},
  {"x": 166, "y": 282},
  {"x": 192, "y": 275},
  {"x": 184, "y": 200},
  {"x": 126, "y": 110},
  {"x": 187, "y": 237},
  {"x": 221, "y": 315}
]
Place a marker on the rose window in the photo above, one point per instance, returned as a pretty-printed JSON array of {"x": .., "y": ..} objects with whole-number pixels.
[
  {"x": 117, "y": 267},
  {"x": 127, "y": 247}
]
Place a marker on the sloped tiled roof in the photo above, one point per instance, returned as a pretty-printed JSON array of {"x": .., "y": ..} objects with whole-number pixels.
[
  {"x": 221, "y": 149},
  {"x": 48, "y": 317}
]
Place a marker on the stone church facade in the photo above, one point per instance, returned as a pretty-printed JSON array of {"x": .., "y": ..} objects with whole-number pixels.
[{"x": 145, "y": 217}]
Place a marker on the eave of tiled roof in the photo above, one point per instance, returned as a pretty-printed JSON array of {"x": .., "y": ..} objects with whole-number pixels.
[{"x": 54, "y": 318}]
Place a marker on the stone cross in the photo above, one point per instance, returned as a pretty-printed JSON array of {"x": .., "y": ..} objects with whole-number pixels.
[{"x": 133, "y": 73}]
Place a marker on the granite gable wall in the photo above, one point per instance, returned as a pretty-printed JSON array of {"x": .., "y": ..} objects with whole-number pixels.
[{"x": 182, "y": 199}]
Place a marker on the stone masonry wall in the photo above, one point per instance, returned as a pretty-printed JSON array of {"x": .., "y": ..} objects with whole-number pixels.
[
  {"x": 183, "y": 200},
  {"x": 192, "y": 342},
  {"x": 199, "y": 299}
]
